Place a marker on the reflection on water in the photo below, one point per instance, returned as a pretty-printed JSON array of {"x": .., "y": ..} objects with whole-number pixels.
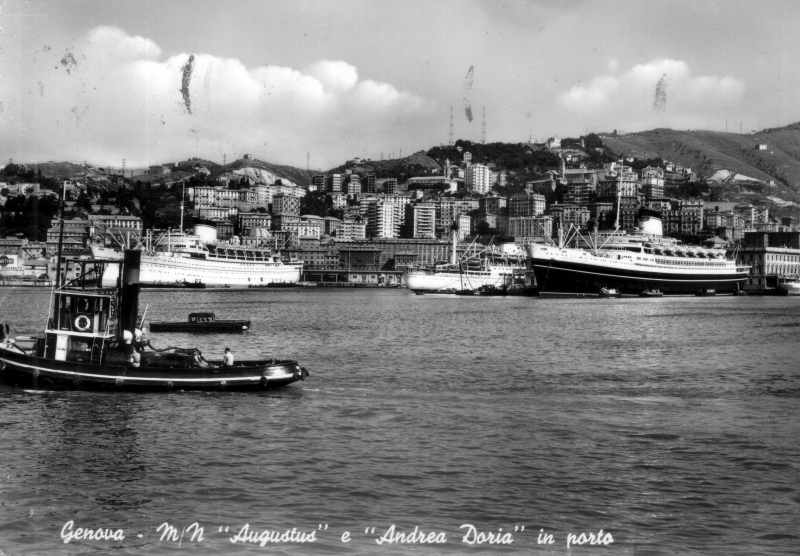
[{"x": 669, "y": 422}]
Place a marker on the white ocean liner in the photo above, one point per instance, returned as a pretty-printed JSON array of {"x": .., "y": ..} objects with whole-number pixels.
[{"x": 197, "y": 259}]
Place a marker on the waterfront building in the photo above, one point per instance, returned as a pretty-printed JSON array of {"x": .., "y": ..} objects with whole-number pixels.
[
  {"x": 416, "y": 251},
  {"x": 771, "y": 255},
  {"x": 526, "y": 228}
]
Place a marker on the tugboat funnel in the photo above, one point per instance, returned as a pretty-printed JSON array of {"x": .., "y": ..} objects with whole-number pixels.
[{"x": 129, "y": 299}]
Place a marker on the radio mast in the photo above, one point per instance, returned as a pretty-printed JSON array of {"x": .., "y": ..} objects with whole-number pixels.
[{"x": 452, "y": 142}]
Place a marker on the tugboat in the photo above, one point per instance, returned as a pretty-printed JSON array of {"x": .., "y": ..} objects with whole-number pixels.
[{"x": 89, "y": 343}]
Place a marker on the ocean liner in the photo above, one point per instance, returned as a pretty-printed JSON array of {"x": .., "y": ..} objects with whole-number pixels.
[
  {"x": 632, "y": 264},
  {"x": 178, "y": 258}
]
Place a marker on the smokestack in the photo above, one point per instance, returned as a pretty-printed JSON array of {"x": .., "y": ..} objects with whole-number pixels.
[{"x": 129, "y": 300}]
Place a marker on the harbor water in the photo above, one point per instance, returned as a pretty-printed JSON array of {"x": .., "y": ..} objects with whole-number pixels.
[{"x": 499, "y": 425}]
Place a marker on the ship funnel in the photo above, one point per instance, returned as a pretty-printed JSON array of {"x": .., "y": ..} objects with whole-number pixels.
[
  {"x": 650, "y": 222},
  {"x": 129, "y": 299},
  {"x": 206, "y": 231}
]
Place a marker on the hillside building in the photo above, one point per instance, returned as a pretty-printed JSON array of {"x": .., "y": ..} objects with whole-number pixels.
[
  {"x": 477, "y": 179},
  {"x": 422, "y": 220}
]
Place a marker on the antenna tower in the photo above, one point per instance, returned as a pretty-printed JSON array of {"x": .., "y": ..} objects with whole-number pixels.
[
  {"x": 123, "y": 167},
  {"x": 483, "y": 127},
  {"x": 308, "y": 158},
  {"x": 224, "y": 159},
  {"x": 452, "y": 141}
]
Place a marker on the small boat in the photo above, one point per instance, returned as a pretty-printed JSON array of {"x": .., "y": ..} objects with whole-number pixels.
[
  {"x": 651, "y": 293},
  {"x": 201, "y": 322},
  {"x": 90, "y": 342},
  {"x": 610, "y": 292},
  {"x": 492, "y": 290}
]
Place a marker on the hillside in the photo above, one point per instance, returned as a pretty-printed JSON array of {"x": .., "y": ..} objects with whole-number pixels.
[
  {"x": 258, "y": 171},
  {"x": 711, "y": 153},
  {"x": 414, "y": 165}
]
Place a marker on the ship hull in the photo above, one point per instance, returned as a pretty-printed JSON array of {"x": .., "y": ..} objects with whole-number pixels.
[
  {"x": 560, "y": 277},
  {"x": 213, "y": 326},
  {"x": 27, "y": 371},
  {"x": 172, "y": 268},
  {"x": 420, "y": 281}
]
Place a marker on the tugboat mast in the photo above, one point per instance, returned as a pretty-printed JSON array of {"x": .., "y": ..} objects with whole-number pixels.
[{"x": 61, "y": 237}]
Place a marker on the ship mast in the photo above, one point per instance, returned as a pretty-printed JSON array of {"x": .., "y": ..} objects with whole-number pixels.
[
  {"x": 183, "y": 196},
  {"x": 454, "y": 239}
]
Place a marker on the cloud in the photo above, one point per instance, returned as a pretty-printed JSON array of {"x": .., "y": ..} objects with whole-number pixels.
[
  {"x": 110, "y": 95},
  {"x": 336, "y": 76},
  {"x": 630, "y": 99}
]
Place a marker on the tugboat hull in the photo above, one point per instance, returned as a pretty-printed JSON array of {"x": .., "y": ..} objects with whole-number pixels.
[{"x": 27, "y": 371}]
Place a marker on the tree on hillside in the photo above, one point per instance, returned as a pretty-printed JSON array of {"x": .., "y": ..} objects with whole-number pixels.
[{"x": 314, "y": 202}]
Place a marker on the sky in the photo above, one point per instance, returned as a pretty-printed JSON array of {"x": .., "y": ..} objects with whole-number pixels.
[{"x": 319, "y": 82}]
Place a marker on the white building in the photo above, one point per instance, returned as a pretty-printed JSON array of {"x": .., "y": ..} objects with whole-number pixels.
[
  {"x": 424, "y": 220},
  {"x": 381, "y": 221},
  {"x": 478, "y": 176}
]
